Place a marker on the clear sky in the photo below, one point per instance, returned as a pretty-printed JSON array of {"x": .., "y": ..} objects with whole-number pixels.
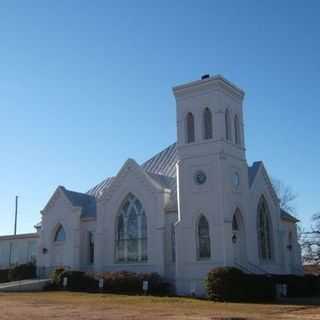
[{"x": 84, "y": 85}]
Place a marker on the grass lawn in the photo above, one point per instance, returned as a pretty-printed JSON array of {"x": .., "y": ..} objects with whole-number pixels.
[{"x": 80, "y": 306}]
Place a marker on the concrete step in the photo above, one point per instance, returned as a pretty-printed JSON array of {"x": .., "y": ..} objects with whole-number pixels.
[{"x": 24, "y": 285}]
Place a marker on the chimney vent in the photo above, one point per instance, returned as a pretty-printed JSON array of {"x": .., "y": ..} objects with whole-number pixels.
[{"x": 205, "y": 76}]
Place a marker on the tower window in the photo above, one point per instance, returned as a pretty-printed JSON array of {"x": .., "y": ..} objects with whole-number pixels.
[
  {"x": 236, "y": 130},
  {"x": 207, "y": 124},
  {"x": 227, "y": 125},
  {"x": 190, "y": 128},
  {"x": 203, "y": 234}
]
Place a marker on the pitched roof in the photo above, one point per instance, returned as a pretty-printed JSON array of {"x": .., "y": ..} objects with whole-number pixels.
[
  {"x": 163, "y": 164},
  {"x": 83, "y": 200},
  {"x": 252, "y": 171},
  {"x": 287, "y": 216}
]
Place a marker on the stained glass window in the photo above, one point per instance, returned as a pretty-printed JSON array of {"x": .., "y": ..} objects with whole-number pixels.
[{"x": 131, "y": 232}]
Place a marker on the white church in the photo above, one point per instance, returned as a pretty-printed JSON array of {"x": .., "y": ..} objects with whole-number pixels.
[{"x": 192, "y": 207}]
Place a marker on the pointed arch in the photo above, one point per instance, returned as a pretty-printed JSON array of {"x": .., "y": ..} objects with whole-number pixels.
[
  {"x": 207, "y": 124},
  {"x": 227, "y": 124},
  {"x": 264, "y": 228},
  {"x": 203, "y": 238},
  {"x": 237, "y": 139},
  {"x": 190, "y": 128},
  {"x": 60, "y": 234},
  {"x": 131, "y": 231}
]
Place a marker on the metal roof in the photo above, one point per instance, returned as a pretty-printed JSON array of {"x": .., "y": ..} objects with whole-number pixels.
[
  {"x": 287, "y": 216},
  {"x": 162, "y": 164}
]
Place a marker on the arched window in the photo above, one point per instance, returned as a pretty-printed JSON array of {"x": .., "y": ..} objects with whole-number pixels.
[
  {"x": 235, "y": 223},
  {"x": 207, "y": 124},
  {"x": 289, "y": 246},
  {"x": 227, "y": 125},
  {"x": 131, "y": 231},
  {"x": 190, "y": 127},
  {"x": 237, "y": 139},
  {"x": 203, "y": 234},
  {"x": 60, "y": 234},
  {"x": 264, "y": 231}
]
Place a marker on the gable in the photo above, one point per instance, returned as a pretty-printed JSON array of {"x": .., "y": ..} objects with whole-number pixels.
[
  {"x": 131, "y": 168},
  {"x": 162, "y": 164}
]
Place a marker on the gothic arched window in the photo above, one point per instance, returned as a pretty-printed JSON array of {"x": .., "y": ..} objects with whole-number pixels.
[
  {"x": 237, "y": 139},
  {"x": 203, "y": 235},
  {"x": 227, "y": 125},
  {"x": 264, "y": 231},
  {"x": 190, "y": 128},
  {"x": 60, "y": 234},
  {"x": 131, "y": 231},
  {"x": 235, "y": 223},
  {"x": 207, "y": 124}
]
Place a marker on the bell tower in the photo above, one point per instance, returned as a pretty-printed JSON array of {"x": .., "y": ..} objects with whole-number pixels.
[{"x": 212, "y": 173}]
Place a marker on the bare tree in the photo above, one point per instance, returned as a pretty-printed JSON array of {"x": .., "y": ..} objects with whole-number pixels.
[
  {"x": 286, "y": 196},
  {"x": 310, "y": 241}
]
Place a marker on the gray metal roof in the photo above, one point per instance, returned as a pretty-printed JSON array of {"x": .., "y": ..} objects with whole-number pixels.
[
  {"x": 287, "y": 216},
  {"x": 253, "y": 170},
  {"x": 162, "y": 164},
  {"x": 83, "y": 200}
]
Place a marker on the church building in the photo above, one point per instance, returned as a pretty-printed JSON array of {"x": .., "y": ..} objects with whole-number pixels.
[{"x": 194, "y": 206}]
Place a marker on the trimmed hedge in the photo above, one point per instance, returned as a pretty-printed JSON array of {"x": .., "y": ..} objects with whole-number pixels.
[
  {"x": 131, "y": 282},
  {"x": 22, "y": 272},
  {"x": 4, "y": 275},
  {"x": 114, "y": 282},
  {"x": 231, "y": 284},
  {"x": 299, "y": 286}
]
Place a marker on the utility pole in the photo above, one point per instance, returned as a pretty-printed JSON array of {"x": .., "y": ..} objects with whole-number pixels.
[
  {"x": 15, "y": 230},
  {"x": 16, "y": 216}
]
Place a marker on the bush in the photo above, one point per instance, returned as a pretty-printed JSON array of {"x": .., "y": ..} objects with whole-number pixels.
[
  {"x": 22, "y": 272},
  {"x": 130, "y": 282},
  {"x": 77, "y": 280},
  {"x": 231, "y": 284},
  {"x": 4, "y": 275},
  {"x": 225, "y": 284},
  {"x": 299, "y": 286}
]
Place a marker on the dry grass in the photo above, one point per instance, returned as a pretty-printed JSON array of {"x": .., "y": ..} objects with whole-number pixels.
[{"x": 84, "y": 306}]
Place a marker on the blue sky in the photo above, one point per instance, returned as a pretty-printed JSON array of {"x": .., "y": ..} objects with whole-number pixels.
[{"x": 84, "y": 85}]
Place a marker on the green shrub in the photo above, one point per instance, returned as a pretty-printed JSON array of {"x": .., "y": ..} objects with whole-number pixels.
[
  {"x": 22, "y": 272},
  {"x": 4, "y": 275},
  {"x": 225, "y": 284},
  {"x": 231, "y": 284}
]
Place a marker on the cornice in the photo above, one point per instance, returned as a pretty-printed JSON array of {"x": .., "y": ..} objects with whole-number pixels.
[{"x": 213, "y": 83}]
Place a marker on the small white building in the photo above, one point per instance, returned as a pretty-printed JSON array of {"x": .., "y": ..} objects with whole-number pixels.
[{"x": 194, "y": 206}]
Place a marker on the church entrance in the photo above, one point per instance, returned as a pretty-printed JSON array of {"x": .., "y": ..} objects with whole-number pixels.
[{"x": 238, "y": 239}]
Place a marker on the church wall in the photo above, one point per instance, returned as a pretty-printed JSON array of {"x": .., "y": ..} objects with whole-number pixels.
[
  {"x": 291, "y": 251},
  {"x": 259, "y": 188},
  {"x": 169, "y": 240},
  {"x": 64, "y": 253},
  {"x": 153, "y": 202},
  {"x": 87, "y": 226}
]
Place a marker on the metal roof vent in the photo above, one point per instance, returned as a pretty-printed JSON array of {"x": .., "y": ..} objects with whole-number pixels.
[{"x": 205, "y": 76}]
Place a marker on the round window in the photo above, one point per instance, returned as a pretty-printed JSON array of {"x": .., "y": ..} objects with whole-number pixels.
[{"x": 200, "y": 177}]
